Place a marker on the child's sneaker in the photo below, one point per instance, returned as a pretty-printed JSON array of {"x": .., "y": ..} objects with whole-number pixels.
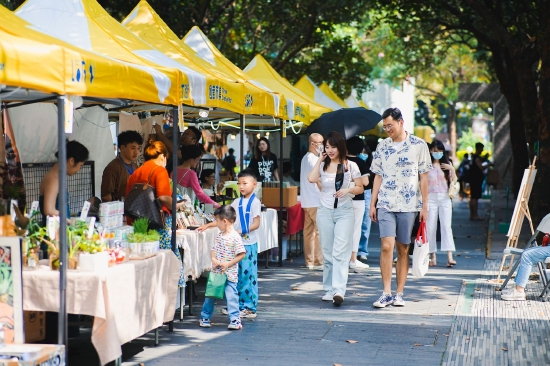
[
  {"x": 249, "y": 314},
  {"x": 235, "y": 325},
  {"x": 204, "y": 323}
]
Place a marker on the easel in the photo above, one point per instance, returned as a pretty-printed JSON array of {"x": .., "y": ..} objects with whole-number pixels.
[{"x": 521, "y": 211}]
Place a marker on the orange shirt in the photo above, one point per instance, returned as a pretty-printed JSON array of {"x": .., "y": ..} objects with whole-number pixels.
[{"x": 159, "y": 180}]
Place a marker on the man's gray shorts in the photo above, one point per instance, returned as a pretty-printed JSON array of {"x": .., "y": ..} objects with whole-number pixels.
[{"x": 396, "y": 224}]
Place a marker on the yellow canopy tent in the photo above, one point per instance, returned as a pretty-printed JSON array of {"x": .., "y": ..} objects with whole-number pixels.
[
  {"x": 309, "y": 88},
  {"x": 84, "y": 23},
  {"x": 304, "y": 108},
  {"x": 34, "y": 60},
  {"x": 424, "y": 132},
  {"x": 332, "y": 95},
  {"x": 144, "y": 22},
  {"x": 205, "y": 49}
]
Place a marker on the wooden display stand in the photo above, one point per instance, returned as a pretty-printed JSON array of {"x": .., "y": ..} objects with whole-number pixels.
[{"x": 521, "y": 211}]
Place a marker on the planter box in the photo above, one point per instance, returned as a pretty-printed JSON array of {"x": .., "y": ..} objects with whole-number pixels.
[
  {"x": 93, "y": 262},
  {"x": 139, "y": 250}
]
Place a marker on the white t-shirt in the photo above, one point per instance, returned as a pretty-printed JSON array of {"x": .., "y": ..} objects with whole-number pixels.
[
  {"x": 328, "y": 188},
  {"x": 255, "y": 211},
  {"x": 309, "y": 192}
]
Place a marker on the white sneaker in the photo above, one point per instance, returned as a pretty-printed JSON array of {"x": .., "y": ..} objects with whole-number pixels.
[
  {"x": 315, "y": 268},
  {"x": 362, "y": 258},
  {"x": 338, "y": 299},
  {"x": 328, "y": 296},
  {"x": 398, "y": 299},
  {"x": 358, "y": 265},
  {"x": 513, "y": 295}
]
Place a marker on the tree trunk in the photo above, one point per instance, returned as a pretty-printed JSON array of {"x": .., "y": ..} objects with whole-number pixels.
[{"x": 451, "y": 127}]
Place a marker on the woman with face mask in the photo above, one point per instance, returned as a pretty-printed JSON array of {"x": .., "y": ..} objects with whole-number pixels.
[{"x": 439, "y": 203}]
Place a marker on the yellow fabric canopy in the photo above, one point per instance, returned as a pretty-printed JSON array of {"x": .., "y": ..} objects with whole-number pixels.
[
  {"x": 144, "y": 22},
  {"x": 205, "y": 49},
  {"x": 34, "y": 60},
  {"x": 309, "y": 88},
  {"x": 84, "y": 23},
  {"x": 332, "y": 95},
  {"x": 304, "y": 108}
]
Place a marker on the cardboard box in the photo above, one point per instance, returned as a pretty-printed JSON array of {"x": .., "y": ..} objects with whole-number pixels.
[
  {"x": 35, "y": 326},
  {"x": 270, "y": 197}
]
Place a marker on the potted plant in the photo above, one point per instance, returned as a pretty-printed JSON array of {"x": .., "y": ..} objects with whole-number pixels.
[
  {"x": 151, "y": 244},
  {"x": 136, "y": 240}
]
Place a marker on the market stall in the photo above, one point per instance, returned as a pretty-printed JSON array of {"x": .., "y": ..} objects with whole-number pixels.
[{"x": 126, "y": 301}]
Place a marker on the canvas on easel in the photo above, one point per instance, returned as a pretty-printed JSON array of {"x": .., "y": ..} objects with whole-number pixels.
[{"x": 521, "y": 211}]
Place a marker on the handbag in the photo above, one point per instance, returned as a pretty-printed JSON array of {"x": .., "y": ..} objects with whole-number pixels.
[
  {"x": 421, "y": 254},
  {"x": 453, "y": 189},
  {"x": 215, "y": 287},
  {"x": 141, "y": 202}
]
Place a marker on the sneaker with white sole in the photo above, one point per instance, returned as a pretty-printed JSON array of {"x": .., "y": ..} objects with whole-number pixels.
[
  {"x": 383, "y": 301},
  {"x": 248, "y": 314},
  {"x": 235, "y": 325},
  {"x": 337, "y": 299},
  {"x": 358, "y": 265},
  {"x": 398, "y": 299},
  {"x": 204, "y": 323},
  {"x": 362, "y": 258},
  {"x": 513, "y": 295},
  {"x": 328, "y": 296},
  {"x": 315, "y": 268},
  {"x": 224, "y": 311}
]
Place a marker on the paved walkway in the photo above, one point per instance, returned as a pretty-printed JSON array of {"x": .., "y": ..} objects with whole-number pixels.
[{"x": 453, "y": 316}]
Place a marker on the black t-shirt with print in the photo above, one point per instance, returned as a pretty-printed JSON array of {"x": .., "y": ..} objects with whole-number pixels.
[{"x": 264, "y": 167}]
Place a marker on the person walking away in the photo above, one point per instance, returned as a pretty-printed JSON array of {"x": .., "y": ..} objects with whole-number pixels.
[
  {"x": 227, "y": 252},
  {"x": 264, "y": 162},
  {"x": 154, "y": 172},
  {"x": 310, "y": 197},
  {"x": 401, "y": 163},
  {"x": 477, "y": 166},
  {"x": 464, "y": 175},
  {"x": 335, "y": 216},
  {"x": 116, "y": 173},
  {"x": 355, "y": 146},
  {"x": 48, "y": 192},
  {"x": 440, "y": 204},
  {"x": 248, "y": 208},
  {"x": 186, "y": 178},
  {"x": 230, "y": 163}
]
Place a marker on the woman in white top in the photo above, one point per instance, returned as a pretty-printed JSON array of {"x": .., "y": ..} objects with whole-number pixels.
[
  {"x": 439, "y": 203},
  {"x": 338, "y": 179}
]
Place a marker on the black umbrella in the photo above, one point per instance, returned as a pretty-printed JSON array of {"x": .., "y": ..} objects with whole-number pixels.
[{"x": 348, "y": 122}]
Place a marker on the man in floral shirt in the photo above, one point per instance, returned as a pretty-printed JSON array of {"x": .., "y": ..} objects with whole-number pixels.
[{"x": 401, "y": 164}]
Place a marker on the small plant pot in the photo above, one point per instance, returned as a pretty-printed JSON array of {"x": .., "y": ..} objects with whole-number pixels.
[
  {"x": 73, "y": 263},
  {"x": 54, "y": 261}
]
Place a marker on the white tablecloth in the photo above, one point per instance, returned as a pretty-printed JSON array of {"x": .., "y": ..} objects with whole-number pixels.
[
  {"x": 126, "y": 301},
  {"x": 197, "y": 246}
]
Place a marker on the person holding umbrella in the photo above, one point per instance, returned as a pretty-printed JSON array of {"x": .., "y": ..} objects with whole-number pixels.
[{"x": 339, "y": 179}]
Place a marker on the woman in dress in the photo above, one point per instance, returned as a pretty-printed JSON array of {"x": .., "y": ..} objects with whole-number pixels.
[
  {"x": 154, "y": 172},
  {"x": 264, "y": 162},
  {"x": 440, "y": 205},
  {"x": 77, "y": 154},
  {"x": 338, "y": 179},
  {"x": 186, "y": 177}
]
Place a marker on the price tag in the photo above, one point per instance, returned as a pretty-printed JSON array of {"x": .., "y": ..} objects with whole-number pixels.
[
  {"x": 34, "y": 208},
  {"x": 91, "y": 227},
  {"x": 84, "y": 212}
]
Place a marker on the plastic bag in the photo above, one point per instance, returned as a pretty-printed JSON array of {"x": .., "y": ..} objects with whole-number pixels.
[
  {"x": 421, "y": 254},
  {"x": 215, "y": 287}
]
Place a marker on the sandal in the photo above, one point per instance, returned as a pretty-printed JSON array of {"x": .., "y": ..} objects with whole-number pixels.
[{"x": 450, "y": 264}]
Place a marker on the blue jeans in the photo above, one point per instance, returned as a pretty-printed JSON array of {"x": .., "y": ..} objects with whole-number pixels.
[
  {"x": 365, "y": 228},
  {"x": 335, "y": 233},
  {"x": 530, "y": 257},
  {"x": 232, "y": 298}
]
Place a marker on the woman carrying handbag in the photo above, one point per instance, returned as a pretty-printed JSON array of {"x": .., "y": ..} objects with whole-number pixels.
[
  {"x": 442, "y": 183},
  {"x": 338, "y": 179}
]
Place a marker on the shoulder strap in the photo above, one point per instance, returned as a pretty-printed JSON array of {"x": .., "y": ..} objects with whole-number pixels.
[
  {"x": 183, "y": 176},
  {"x": 149, "y": 179}
]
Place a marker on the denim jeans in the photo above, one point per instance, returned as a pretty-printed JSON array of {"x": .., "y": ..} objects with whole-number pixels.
[
  {"x": 530, "y": 257},
  {"x": 232, "y": 298},
  {"x": 365, "y": 227},
  {"x": 335, "y": 232}
]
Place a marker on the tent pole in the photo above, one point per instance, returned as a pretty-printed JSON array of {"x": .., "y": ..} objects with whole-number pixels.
[
  {"x": 280, "y": 236},
  {"x": 175, "y": 148},
  {"x": 62, "y": 330},
  {"x": 242, "y": 143}
]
